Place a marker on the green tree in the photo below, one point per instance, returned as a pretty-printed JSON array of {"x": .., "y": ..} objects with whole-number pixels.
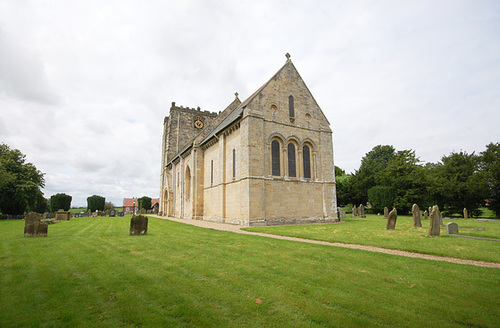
[
  {"x": 39, "y": 205},
  {"x": 345, "y": 189},
  {"x": 369, "y": 174},
  {"x": 144, "y": 203},
  {"x": 20, "y": 182},
  {"x": 60, "y": 201},
  {"x": 490, "y": 166},
  {"x": 457, "y": 183},
  {"x": 339, "y": 171},
  {"x": 95, "y": 203},
  {"x": 380, "y": 197}
]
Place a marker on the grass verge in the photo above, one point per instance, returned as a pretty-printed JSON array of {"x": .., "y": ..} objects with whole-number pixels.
[
  {"x": 90, "y": 272},
  {"x": 371, "y": 231}
]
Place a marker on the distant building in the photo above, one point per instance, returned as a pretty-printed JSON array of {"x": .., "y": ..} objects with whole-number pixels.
[
  {"x": 265, "y": 161},
  {"x": 130, "y": 203}
]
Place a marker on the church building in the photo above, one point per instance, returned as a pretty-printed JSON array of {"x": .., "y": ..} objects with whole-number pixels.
[{"x": 265, "y": 161}]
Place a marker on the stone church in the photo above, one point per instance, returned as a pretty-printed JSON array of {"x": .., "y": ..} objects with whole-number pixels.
[{"x": 265, "y": 161}]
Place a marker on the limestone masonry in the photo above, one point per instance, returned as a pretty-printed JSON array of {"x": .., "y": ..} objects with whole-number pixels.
[{"x": 265, "y": 161}]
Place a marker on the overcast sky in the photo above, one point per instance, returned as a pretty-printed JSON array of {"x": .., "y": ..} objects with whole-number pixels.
[{"x": 85, "y": 85}]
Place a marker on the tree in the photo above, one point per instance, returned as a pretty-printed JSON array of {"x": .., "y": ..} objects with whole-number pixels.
[
  {"x": 144, "y": 203},
  {"x": 108, "y": 206},
  {"x": 95, "y": 203},
  {"x": 380, "y": 197},
  {"x": 60, "y": 201},
  {"x": 345, "y": 189},
  {"x": 339, "y": 171},
  {"x": 457, "y": 183},
  {"x": 39, "y": 205},
  {"x": 490, "y": 169},
  {"x": 20, "y": 182},
  {"x": 369, "y": 173}
]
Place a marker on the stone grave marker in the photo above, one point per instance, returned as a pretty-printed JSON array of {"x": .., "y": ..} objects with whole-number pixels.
[
  {"x": 451, "y": 228},
  {"x": 62, "y": 215},
  {"x": 354, "y": 211},
  {"x": 103, "y": 213},
  {"x": 386, "y": 212},
  {"x": 391, "y": 219},
  {"x": 121, "y": 214},
  {"x": 417, "y": 216},
  {"x": 112, "y": 213},
  {"x": 362, "y": 211},
  {"x": 34, "y": 227},
  {"x": 426, "y": 215},
  {"x": 435, "y": 225},
  {"x": 342, "y": 214},
  {"x": 139, "y": 225},
  {"x": 466, "y": 214}
]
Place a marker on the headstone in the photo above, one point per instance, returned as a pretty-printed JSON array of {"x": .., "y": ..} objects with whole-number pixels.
[
  {"x": 121, "y": 214},
  {"x": 430, "y": 210},
  {"x": 386, "y": 212},
  {"x": 62, "y": 215},
  {"x": 112, "y": 213},
  {"x": 139, "y": 225},
  {"x": 342, "y": 214},
  {"x": 354, "y": 211},
  {"x": 466, "y": 214},
  {"x": 426, "y": 215},
  {"x": 362, "y": 211},
  {"x": 417, "y": 216},
  {"x": 34, "y": 227},
  {"x": 94, "y": 214},
  {"x": 451, "y": 228},
  {"x": 391, "y": 220},
  {"x": 103, "y": 214},
  {"x": 435, "y": 225}
]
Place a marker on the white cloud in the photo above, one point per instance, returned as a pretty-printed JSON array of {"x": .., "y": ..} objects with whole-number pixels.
[{"x": 85, "y": 85}]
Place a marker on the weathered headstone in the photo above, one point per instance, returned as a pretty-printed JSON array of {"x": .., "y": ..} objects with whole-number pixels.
[
  {"x": 139, "y": 225},
  {"x": 342, "y": 214},
  {"x": 121, "y": 214},
  {"x": 417, "y": 216},
  {"x": 435, "y": 225},
  {"x": 62, "y": 215},
  {"x": 426, "y": 215},
  {"x": 34, "y": 227},
  {"x": 103, "y": 214},
  {"x": 94, "y": 214},
  {"x": 354, "y": 211},
  {"x": 451, "y": 228},
  {"x": 386, "y": 212},
  {"x": 362, "y": 211},
  {"x": 466, "y": 214},
  {"x": 391, "y": 219},
  {"x": 112, "y": 213},
  {"x": 429, "y": 210}
]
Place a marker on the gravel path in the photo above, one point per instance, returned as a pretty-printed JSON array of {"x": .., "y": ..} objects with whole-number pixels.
[{"x": 236, "y": 229}]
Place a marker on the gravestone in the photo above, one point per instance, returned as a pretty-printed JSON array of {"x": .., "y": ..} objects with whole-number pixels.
[
  {"x": 112, "y": 213},
  {"x": 139, "y": 225},
  {"x": 354, "y": 211},
  {"x": 121, "y": 214},
  {"x": 94, "y": 214},
  {"x": 103, "y": 214},
  {"x": 451, "y": 228},
  {"x": 62, "y": 215},
  {"x": 342, "y": 214},
  {"x": 429, "y": 210},
  {"x": 391, "y": 219},
  {"x": 466, "y": 214},
  {"x": 362, "y": 211},
  {"x": 386, "y": 212},
  {"x": 417, "y": 216},
  {"x": 34, "y": 227},
  {"x": 426, "y": 215},
  {"x": 435, "y": 225}
]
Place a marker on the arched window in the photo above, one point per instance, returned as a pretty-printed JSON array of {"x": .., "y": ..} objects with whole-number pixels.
[
  {"x": 187, "y": 184},
  {"x": 291, "y": 108},
  {"x": 275, "y": 158},
  {"x": 306, "y": 157},
  {"x": 292, "y": 172}
]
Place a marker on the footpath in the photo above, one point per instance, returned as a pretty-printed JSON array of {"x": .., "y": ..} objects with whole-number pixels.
[{"x": 236, "y": 229}]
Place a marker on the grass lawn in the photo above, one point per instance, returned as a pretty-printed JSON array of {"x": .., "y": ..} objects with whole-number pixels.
[
  {"x": 90, "y": 272},
  {"x": 371, "y": 231}
]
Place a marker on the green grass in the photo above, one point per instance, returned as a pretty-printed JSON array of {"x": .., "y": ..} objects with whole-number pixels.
[
  {"x": 371, "y": 231},
  {"x": 90, "y": 272}
]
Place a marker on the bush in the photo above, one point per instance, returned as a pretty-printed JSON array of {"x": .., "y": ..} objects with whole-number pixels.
[
  {"x": 60, "y": 201},
  {"x": 95, "y": 203}
]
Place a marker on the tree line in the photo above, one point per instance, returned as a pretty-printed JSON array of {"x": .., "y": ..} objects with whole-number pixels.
[
  {"x": 397, "y": 178},
  {"x": 21, "y": 189}
]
